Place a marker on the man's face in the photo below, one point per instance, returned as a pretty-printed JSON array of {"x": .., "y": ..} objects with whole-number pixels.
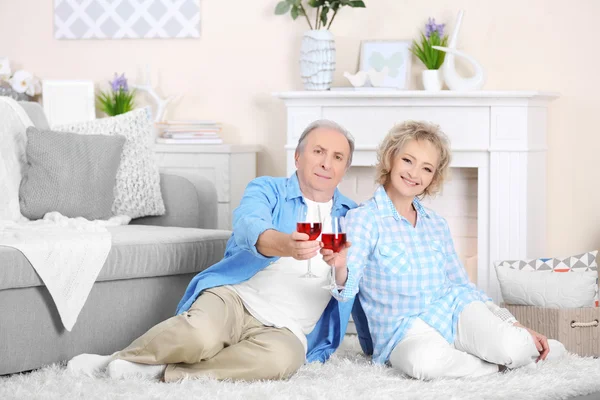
[{"x": 322, "y": 163}]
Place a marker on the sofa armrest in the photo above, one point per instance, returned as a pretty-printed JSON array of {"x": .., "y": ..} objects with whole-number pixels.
[{"x": 190, "y": 202}]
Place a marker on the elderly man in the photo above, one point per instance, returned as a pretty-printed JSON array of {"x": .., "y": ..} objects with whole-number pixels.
[{"x": 252, "y": 315}]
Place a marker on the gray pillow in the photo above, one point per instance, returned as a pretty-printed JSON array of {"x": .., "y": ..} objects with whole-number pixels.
[
  {"x": 35, "y": 112},
  {"x": 69, "y": 173}
]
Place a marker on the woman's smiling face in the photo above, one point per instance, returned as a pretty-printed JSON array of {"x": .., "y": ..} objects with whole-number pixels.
[{"x": 413, "y": 168}]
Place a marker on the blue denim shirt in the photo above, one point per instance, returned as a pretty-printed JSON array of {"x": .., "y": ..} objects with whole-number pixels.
[{"x": 271, "y": 203}]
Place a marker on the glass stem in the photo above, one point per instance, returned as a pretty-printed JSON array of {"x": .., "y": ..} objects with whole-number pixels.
[
  {"x": 309, "y": 270},
  {"x": 333, "y": 282}
]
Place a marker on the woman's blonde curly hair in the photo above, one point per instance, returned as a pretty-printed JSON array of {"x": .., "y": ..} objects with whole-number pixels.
[{"x": 401, "y": 134}]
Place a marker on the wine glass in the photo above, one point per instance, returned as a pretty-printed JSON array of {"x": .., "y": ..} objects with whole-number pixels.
[
  {"x": 333, "y": 237},
  {"x": 309, "y": 221}
]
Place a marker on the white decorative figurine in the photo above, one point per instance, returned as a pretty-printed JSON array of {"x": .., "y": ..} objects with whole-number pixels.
[
  {"x": 361, "y": 77},
  {"x": 161, "y": 103},
  {"x": 453, "y": 80}
]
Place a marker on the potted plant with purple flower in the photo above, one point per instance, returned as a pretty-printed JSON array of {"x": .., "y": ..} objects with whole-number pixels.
[
  {"x": 432, "y": 58},
  {"x": 119, "y": 99}
]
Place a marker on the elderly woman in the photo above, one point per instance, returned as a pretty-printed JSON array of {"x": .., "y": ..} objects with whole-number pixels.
[{"x": 423, "y": 316}]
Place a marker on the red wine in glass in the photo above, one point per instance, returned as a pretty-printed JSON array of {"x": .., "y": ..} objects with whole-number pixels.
[
  {"x": 334, "y": 241},
  {"x": 312, "y": 229},
  {"x": 309, "y": 222}
]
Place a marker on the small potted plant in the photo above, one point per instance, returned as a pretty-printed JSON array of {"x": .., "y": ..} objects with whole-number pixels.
[
  {"x": 119, "y": 99},
  {"x": 317, "y": 54},
  {"x": 432, "y": 58}
]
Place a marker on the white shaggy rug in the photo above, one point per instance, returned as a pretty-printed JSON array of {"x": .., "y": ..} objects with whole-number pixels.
[{"x": 348, "y": 375}]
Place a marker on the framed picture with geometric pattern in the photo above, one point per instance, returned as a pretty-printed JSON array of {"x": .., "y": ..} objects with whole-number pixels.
[{"x": 126, "y": 19}]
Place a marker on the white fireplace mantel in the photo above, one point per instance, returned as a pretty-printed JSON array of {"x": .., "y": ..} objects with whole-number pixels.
[{"x": 501, "y": 133}]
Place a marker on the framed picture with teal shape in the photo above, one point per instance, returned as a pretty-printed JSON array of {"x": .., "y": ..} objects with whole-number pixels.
[{"x": 393, "y": 55}]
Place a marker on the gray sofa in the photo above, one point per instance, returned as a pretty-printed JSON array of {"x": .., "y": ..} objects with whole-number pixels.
[{"x": 149, "y": 266}]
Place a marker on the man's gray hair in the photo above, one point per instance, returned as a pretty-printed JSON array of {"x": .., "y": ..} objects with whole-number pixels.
[{"x": 328, "y": 124}]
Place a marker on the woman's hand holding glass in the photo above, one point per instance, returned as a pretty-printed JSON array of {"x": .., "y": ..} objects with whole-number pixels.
[{"x": 335, "y": 250}]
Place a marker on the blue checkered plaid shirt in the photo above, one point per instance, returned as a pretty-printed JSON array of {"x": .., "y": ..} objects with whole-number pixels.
[{"x": 401, "y": 272}]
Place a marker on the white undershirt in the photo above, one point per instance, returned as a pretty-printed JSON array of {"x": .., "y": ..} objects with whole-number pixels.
[{"x": 278, "y": 296}]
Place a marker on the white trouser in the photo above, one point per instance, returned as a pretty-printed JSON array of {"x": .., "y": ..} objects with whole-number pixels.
[{"x": 483, "y": 341}]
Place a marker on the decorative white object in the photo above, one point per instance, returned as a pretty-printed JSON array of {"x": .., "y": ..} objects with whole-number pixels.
[
  {"x": 358, "y": 79},
  {"x": 453, "y": 80},
  {"x": 361, "y": 78},
  {"x": 501, "y": 133},
  {"x": 317, "y": 59},
  {"x": 547, "y": 289},
  {"x": 137, "y": 191},
  {"x": 393, "y": 54},
  {"x": 160, "y": 102},
  {"x": 432, "y": 80},
  {"x": 228, "y": 167},
  {"x": 377, "y": 78},
  {"x": 24, "y": 82},
  {"x": 67, "y": 102},
  {"x": 126, "y": 19}
]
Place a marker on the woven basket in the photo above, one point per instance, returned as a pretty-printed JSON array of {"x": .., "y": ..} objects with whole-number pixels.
[{"x": 576, "y": 328}]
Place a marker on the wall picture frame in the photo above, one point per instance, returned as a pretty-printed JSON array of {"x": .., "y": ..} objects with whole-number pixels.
[
  {"x": 393, "y": 54},
  {"x": 126, "y": 19}
]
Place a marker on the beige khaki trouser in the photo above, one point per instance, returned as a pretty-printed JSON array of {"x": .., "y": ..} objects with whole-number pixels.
[{"x": 217, "y": 337}]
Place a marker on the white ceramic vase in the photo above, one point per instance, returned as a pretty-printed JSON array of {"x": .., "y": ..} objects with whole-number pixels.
[
  {"x": 317, "y": 59},
  {"x": 432, "y": 80}
]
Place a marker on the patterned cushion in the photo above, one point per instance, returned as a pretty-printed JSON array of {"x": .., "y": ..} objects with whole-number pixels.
[
  {"x": 577, "y": 263},
  {"x": 137, "y": 192},
  {"x": 529, "y": 288}
]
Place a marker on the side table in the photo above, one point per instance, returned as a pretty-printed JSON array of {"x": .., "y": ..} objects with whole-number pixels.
[{"x": 228, "y": 167}]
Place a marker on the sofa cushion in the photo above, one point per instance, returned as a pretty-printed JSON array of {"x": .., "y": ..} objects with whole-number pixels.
[
  {"x": 137, "y": 193},
  {"x": 35, "y": 112},
  {"x": 551, "y": 289},
  {"x": 583, "y": 262},
  {"x": 69, "y": 173},
  {"x": 138, "y": 251}
]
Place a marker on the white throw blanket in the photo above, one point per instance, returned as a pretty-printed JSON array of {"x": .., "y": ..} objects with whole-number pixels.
[
  {"x": 13, "y": 124},
  {"x": 67, "y": 254}
]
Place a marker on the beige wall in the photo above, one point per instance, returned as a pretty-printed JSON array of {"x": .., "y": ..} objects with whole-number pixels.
[{"x": 245, "y": 53}]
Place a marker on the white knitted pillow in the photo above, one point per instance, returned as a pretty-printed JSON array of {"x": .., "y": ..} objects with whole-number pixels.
[
  {"x": 13, "y": 124},
  {"x": 137, "y": 191}
]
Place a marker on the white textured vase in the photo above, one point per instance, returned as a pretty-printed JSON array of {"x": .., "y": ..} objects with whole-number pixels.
[
  {"x": 317, "y": 59},
  {"x": 432, "y": 80}
]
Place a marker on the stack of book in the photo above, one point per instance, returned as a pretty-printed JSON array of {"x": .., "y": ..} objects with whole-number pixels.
[{"x": 189, "y": 132}]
